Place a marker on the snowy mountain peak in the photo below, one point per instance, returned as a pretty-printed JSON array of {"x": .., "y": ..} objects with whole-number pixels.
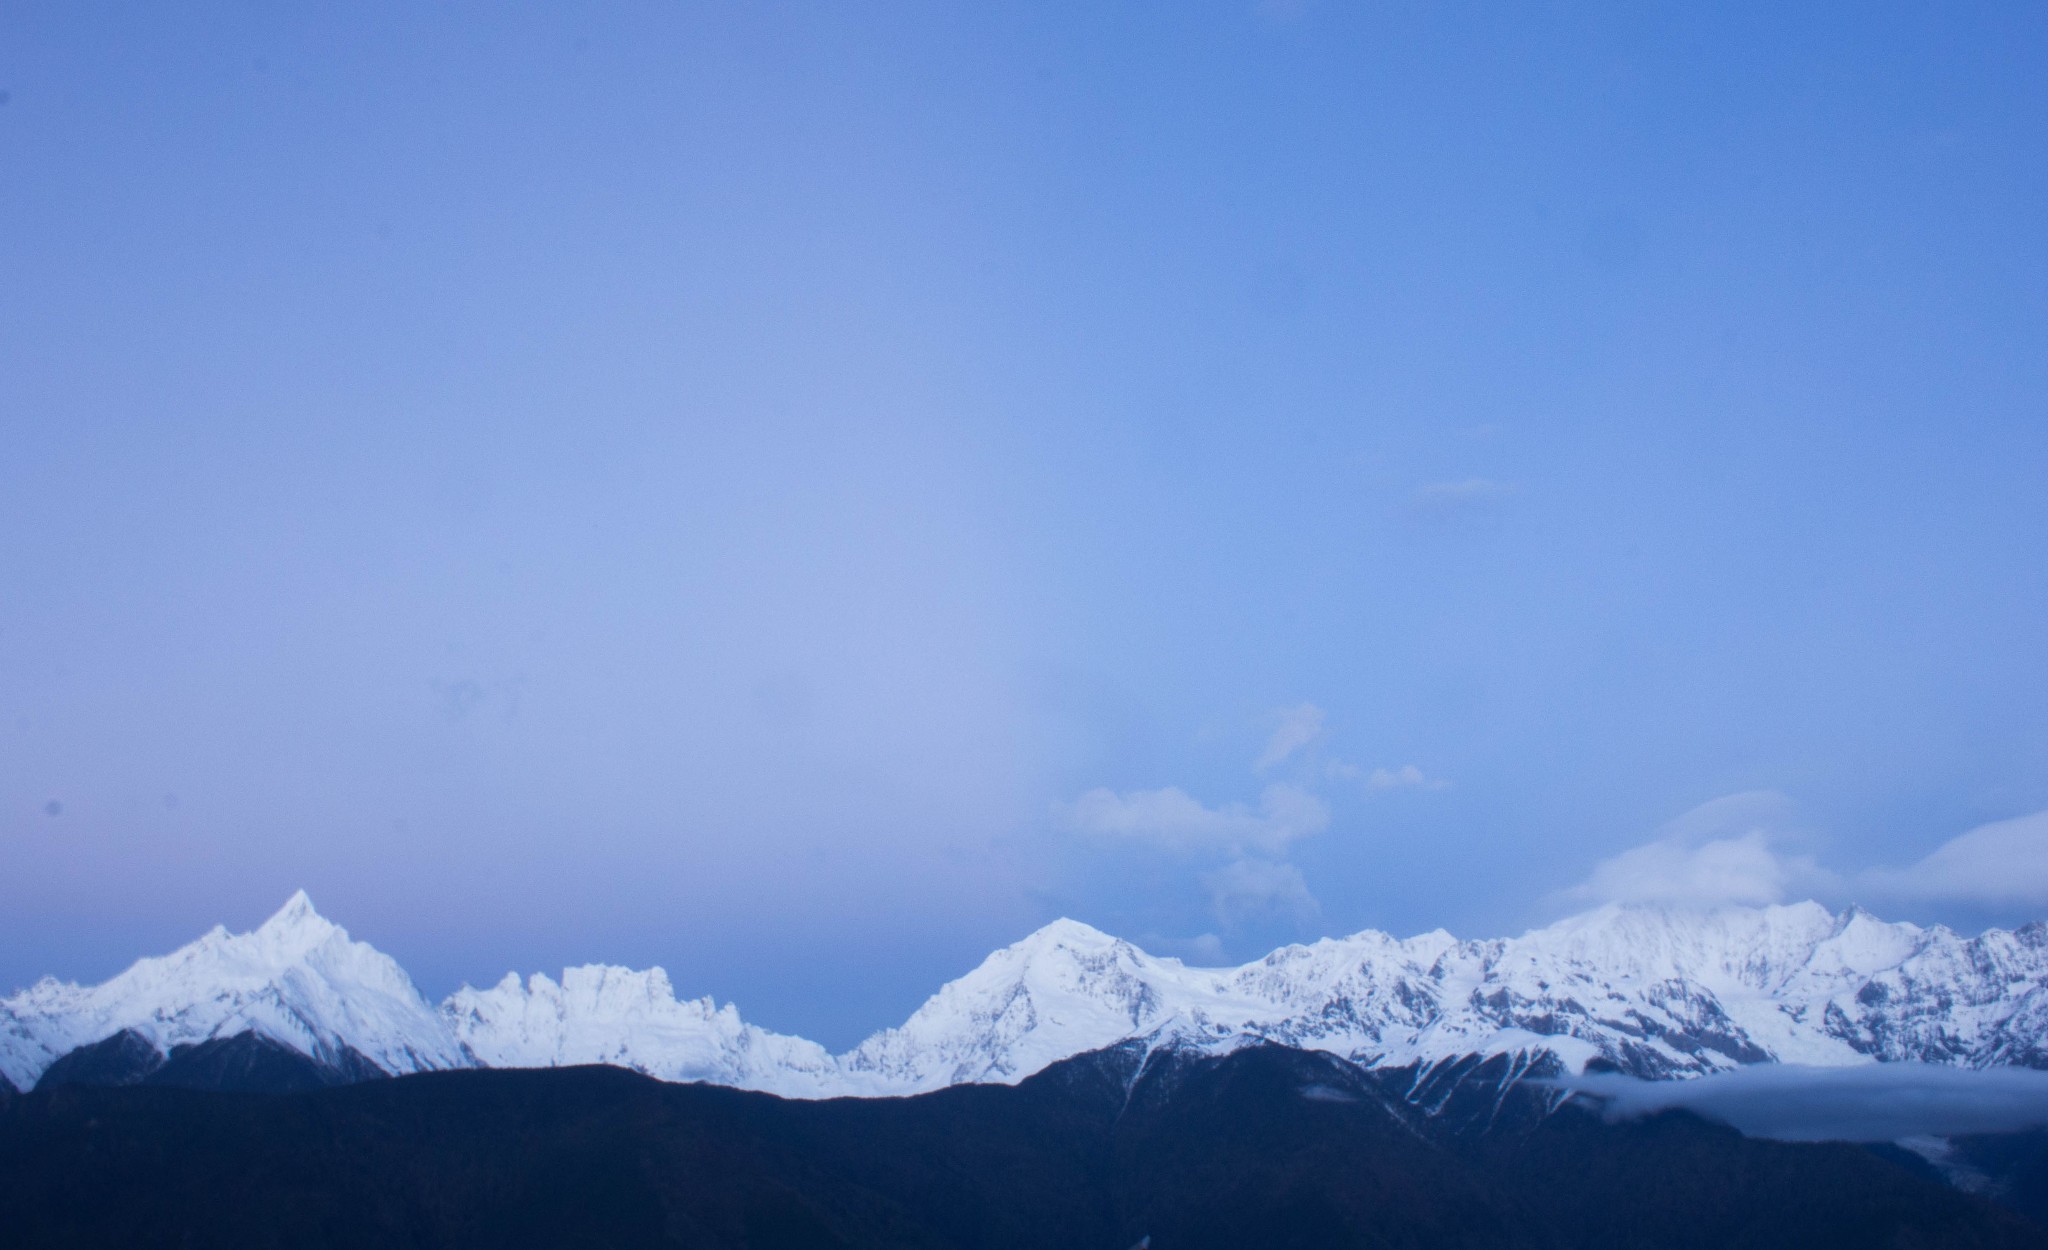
[
  {"x": 1065, "y": 932},
  {"x": 1065, "y": 989},
  {"x": 298, "y": 912},
  {"x": 297, "y": 979},
  {"x": 1657, "y": 991},
  {"x": 1854, "y": 918},
  {"x": 295, "y": 930},
  {"x": 600, "y": 1013}
]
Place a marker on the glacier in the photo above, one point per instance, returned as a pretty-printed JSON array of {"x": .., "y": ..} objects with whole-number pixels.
[{"x": 1648, "y": 991}]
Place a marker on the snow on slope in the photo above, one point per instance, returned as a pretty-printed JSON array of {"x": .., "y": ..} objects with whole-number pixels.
[
  {"x": 1066, "y": 989},
  {"x": 1655, "y": 992},
  {"x": 600, "y": 1014},
  {"x": 297, "y": 979}
]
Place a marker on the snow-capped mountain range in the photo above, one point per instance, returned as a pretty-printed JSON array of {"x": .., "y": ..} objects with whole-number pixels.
[{"x": 1655, "y": 992}]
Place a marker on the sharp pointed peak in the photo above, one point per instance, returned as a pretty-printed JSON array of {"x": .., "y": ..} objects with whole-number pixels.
[
  {"x": 1861, "y": 919},
  {"x": 298, "y": 915},
  {"x": 298, "y": 906}
]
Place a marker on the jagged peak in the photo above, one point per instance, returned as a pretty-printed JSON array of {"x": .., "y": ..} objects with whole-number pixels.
[
  {"x": 1857, "y": 913},
  {"x": 1855, "y": 918},
  {"x": 1063, "y": 987},
  {"x": 652, "y": 981},
  {"x": 297, "y": 916}
]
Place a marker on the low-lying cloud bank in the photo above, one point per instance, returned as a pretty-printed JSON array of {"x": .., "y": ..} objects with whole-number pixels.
[{"x": 1870, "y": 1103}]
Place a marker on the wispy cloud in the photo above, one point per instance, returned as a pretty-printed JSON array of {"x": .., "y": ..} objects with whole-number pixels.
[
  {"x": 1733, "y": 851},
  {"x": 1469, "y": 496},
  {"x": 1204, "y": 950},
  {"x": 1173, "y": 820},
  {"x": 1255, "y": 889},
  {"x": 2000, "y": 864},
  {"x": 1868, "y": 1102},
  {"x": 1406, "y": 777},
  {"x": 1719, "y": 853},
  {"x": 1254, "y": 881},
  {"x": 1742, "y": 871},
  {"x": 1296, "y": 728}
]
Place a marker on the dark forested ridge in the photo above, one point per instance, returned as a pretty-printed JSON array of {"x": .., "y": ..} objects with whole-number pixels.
[
  {"x": 1267, "y": 1148},
  {"x": 244, "y": 1061}
]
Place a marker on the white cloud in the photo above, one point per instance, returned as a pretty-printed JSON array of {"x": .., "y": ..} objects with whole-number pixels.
[
  {"x": 1204, "y": 950},
  {"x": 1466, "y": 497},
  {"x": 1298, "y": 726},
  {"x": 1253, "y": 889},
  {"x": 1731, "y": 851},
  {"x": 1733, "y": 815},
  {"x": 2004, "y": 863},
  {"x": 1171, "y": 819},
  {"x": 1719, "y": 853},
  {"x": 1408, "y": 776},
  {"x": 1257, "y": 881},
  {"x": 1743, "y": 871},
  {"x": 1292, "y": 813}
]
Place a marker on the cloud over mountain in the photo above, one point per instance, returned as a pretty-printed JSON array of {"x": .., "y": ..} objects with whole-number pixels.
[
  {"x": 1733, "y": 850},
  {"x": 1250, "y": 888},
  {"x": 1172, "y": 820},
  {"x": 2004, "y": 863},
  {"x": 1723, "y": 852}
]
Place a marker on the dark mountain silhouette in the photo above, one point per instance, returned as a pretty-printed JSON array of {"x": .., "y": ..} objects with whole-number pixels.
[
  {"x": 1268, "y": 1147},
  {"x": 2013, "y": 1168},
  {"x": 126, "y": 1058},
  {"x": 247, "y": 1062}
]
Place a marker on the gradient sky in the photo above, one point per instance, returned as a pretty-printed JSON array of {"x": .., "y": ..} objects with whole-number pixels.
[{"x": 804, "y": 494}]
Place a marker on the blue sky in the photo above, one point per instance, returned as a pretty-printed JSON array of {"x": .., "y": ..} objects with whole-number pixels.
[{"x": 804, "y": 494}]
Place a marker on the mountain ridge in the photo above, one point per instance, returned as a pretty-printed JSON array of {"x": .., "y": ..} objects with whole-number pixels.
[
  {"x": 1653, "y": 992},
  {"x": 1268, "y": 1146}
]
